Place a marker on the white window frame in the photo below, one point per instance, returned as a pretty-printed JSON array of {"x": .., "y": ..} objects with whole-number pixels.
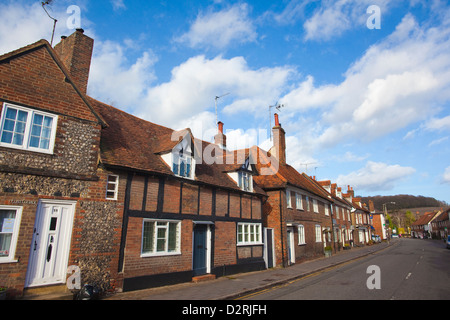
[
  {"x": 318, "y": 231},
  {"x": 155, "y": 238},
  {"x": 308, "y": 205},
  {"x": 185, "y": 159},
  {"x": 115, "y": 183},
  {"x": 288, "y": 198},
  {"x": 246, "y": 231},
  {"x": 327, "y": 209},
  {"x": 315, "y": 206},
  {"x": 15, "y": 233},
  {"x": 245, "y": 180},
  {"x": 298, "y": 201},
  {"x": 301, "y": 234},
  {"x": 28, "y": 129}
]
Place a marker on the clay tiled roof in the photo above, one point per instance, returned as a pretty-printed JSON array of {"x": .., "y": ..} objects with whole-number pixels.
[
  {"x": 135, "y": 144},
  {"x": 281, "y": 177}
]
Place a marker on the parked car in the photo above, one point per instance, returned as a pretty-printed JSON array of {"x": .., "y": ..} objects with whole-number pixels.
[
  {"x": 394, "y": 235},
  {"x": 448, "y": 242},
  {"x": 376, "y": 238}
]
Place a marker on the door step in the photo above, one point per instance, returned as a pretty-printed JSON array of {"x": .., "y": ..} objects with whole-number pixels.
[
  {"x": 205, "y": 277},
  {"x": 48, "y": 293}
]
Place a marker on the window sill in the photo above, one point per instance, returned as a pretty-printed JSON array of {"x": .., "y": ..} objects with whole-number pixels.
[
  {"x": 8, "y": 261},
  {"x": 249, "y": 244},
  {"x": 160, "y": 254}
]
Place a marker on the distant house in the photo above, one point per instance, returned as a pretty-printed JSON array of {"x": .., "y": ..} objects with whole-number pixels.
[
  {"x": 440, "y": 225},
  {"x": 378, "y": 221},
  {"x": 422, "y": 227}
]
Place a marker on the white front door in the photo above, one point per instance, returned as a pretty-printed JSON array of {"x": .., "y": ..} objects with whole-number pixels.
[{"x": 51, "y": 243}]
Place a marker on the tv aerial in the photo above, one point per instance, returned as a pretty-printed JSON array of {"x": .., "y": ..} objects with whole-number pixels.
[
  {"x": 217, "y": 98},
  {"x": 49, "y": 2},
  {"x": 278, "y": 107}
]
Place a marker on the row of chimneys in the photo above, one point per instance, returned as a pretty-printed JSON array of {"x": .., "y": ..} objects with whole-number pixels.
[
  {"x": 75, "y": 52},
  {"x": 279, "y": 141}
]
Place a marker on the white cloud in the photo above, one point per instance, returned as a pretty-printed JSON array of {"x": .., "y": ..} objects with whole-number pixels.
[
  {"x": 438, "y": 124},
  {"x": 196, "y": 82},
  {"x": 117, "y": 81},
  {"x": 219, "y": 29},
  {"x": 118, "y": 4},
  {"x": 402, "y": 80},
  {"x": 376, "y": 176},
  {"x": 333, "y": 18},
  {"x": 446, "y": 176}
]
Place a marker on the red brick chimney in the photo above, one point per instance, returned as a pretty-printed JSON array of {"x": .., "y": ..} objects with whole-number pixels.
[
  {"x": 220, "y": 139},
  {"x": 279, "y": 142},
  {"x": 75, "y": 52}
]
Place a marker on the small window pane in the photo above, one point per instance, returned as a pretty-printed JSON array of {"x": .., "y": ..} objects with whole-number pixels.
[{"x": 7, "y": 137}]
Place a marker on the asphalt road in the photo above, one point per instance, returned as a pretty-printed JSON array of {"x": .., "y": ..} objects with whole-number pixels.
[{"x": 412, "y": 269}]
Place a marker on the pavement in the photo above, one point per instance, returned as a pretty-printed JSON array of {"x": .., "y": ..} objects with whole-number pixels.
[{"x": 239, "y": 285}]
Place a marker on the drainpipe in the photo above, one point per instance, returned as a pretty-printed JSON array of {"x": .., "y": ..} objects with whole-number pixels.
[{"x": 281, "y": 233}]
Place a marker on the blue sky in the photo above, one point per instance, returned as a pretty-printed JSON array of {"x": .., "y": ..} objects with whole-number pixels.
[{"x": 362, "y": 107}]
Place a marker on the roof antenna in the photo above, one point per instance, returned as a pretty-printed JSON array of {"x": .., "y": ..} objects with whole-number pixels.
[
  {"x": 44, "y": 3},
  {"x": 278, "y": 107},
  {"x": 217, "y": 98}
]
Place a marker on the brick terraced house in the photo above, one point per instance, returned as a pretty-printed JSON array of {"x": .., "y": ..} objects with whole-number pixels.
[
  {"x": 185, "y": 214},
  {"x": 129, "y": 203},
  {"x": 52, "y": 193},
  {"x": 297, "y": 213}
]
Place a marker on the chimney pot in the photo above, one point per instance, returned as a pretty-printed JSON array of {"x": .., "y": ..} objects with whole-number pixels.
[
  {"x": 220, "y": 124},
  {"x": 80, "y": 30},
  {"x": 277, "y": 121}
]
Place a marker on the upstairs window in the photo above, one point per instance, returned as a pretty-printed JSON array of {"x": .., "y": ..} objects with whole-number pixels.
[
  {"x": 245, "y": 180},
  {"x": 298, "y": 201},
  {"x": 112, "y": 187},
  {"x": 315, "y": 206},
  {"x": 27, "y": 129},
  {"x": 182, "y": 164}
]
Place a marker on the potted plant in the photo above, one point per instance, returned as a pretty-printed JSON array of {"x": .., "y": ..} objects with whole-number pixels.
[
  {"x": 3, "y": 293},
  {"x": 327, "y": 251},
  {"x": 347, "y": 246}
]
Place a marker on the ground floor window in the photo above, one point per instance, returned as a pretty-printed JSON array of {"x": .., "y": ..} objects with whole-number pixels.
[
  {"x": 249, "y": 233},
  {"x": 301, "y": 235},
  {"x": 9, "y": 231},
  {"x": 160, "y": 237},
  {"x": 318, "y": 233}
]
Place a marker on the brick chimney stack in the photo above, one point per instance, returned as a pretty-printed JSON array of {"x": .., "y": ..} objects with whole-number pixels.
[
  {"x": 220, "y": 139},
  {"x": 75, "y": 52},
  {"x": 279, "y": 142}
]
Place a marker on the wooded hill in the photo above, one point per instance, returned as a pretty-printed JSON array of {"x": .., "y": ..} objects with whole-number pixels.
[{"x": 403, "y": 202}]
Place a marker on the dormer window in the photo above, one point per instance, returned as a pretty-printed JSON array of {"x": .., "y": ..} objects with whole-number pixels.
[
  {"x": 244, "y": 177},
  {"x": 245, "y": 180},
  {"x": 182, "y": 164},
  {"x": 180, "y": 158}
]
